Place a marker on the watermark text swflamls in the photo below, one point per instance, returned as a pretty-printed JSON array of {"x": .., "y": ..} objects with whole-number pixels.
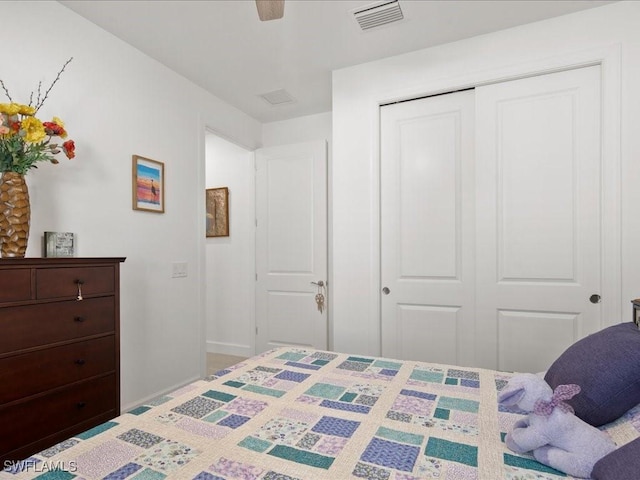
[{"x": 36, "y": 466}]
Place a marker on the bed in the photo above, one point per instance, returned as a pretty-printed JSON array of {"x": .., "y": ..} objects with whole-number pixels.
[{"x": 294, "y": 413}]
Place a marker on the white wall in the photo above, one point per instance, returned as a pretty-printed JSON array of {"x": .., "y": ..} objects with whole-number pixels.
[
  {"x": 117, "y": 102},
  {"x": 230, "y": 261},
  {"x": 358, "y": 91},
  {"x": 297, "y": 130}
]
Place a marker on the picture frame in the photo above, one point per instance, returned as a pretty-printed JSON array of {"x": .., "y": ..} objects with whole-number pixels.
[
  {"x": 148, "y": 184},
  {"x": 59, "y": 244},
  {"x": 217, "y": 210}
]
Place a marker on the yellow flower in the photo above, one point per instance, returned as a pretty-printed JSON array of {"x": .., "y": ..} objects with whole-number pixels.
[
  {"x": 10, "y": 109},
  {"x": 26, "y": 109},
  {"x": 34, "y": 130}
]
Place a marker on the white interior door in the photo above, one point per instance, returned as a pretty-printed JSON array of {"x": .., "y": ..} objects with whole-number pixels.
[
  {"x": 427, "y": 229},
  {"x": 291, "y": 245},
  {"x": 538, "y": 217}
]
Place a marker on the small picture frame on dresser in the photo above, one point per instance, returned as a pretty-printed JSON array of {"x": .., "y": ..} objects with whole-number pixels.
[
  {"x": 636, "y": 311},
  {"x": 59, "y": 244}
]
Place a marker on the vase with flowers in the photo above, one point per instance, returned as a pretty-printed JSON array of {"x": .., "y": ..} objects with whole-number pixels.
[{"x": 25, "y": 141}]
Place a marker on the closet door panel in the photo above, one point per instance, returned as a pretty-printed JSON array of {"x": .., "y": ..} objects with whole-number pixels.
[
  {"x": 427, "y": 229},
  {"x": 538, "y": 217}
]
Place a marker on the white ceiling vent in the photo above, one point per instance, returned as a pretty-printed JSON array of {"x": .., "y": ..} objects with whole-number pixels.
[
  {"x": 278, "y": 97},
  {"x": 378, "y": 14}
]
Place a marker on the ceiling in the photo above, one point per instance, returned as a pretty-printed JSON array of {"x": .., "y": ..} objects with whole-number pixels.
[{"x": 223, "y": 47}]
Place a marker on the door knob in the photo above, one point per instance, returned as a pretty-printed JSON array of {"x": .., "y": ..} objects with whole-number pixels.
[
  {"x": 595, "y": 298},
  {"x": 386, "y": 290}
]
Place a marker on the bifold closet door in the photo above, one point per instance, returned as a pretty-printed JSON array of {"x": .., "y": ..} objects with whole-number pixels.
[
  {"x": 491, "y": 222},
  {"x": 427, "y": 229},
  {"x": 538, "y": 260}
]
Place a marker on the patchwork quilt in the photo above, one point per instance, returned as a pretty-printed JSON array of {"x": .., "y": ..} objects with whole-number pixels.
[{"x": 292, "y": 413}]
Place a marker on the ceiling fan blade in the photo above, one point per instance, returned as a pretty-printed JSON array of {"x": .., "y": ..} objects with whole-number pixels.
[{"x": 270, "y": 9}]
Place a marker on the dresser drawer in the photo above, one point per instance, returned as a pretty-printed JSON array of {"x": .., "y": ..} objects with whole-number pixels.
[
  {"x": 27, "y": 422},
  {"x": 15, "y": 285},
  {"x": 41, "y": 324},
  {"x": 66, "y": 364},
  {"x": 63, "y": 282}
]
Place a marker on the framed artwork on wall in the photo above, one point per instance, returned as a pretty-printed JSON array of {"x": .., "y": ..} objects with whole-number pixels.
[
  {"x": 148, "y": 184},
  {"x": 217, "y": 202}
]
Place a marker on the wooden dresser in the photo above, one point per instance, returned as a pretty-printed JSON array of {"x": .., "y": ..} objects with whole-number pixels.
[{"x": 59, "y": 350}]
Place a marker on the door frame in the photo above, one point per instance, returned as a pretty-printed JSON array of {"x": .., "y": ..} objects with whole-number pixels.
[{"x": 610, "y": 63}]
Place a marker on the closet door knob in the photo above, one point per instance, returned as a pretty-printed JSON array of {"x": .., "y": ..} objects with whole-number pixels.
[
  {"x": 595, "y": 298},
  {"x": 386, "y": 290}
]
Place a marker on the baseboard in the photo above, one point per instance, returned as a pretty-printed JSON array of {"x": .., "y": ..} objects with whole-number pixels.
[
  {"x": 230, "y": 349},
  {"x": 126, "y": 408}
]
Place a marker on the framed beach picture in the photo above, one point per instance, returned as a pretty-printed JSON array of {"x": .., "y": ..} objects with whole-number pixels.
[
  {"x": 217, "y": 212},
  {"x": 148, "y": 184}
]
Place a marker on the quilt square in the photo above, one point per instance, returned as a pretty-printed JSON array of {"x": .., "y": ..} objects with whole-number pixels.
[
  {"x": 140, "y": 438},
  {"x": 207, "y": 476},
  {"x": 232, "y": 469},
  {"x": 301, "y": 456},
  {"x": 197, "y": 407},
  {"x": 282, "y": 430},
  {"x": 345, "y": 406},
  {"x": 60, "y": 447},
  {"x": 292, "y": 376},
  {"x": 277, "y": 476},
  {"x": 336, "y": 426},
  {"x": 246, "y": 406},
  {"x": 325, "y": 390},
  {"x": 233, "y": 421},
  {"x": 453, "y": 451},
  {"x": 324, "y": 356},
  {"x": 123, "y": 472},
  {"x": 168, "y": 456},
  {"x": 353, "y": 366},
  {"x": 370, "y": 472},
  {"x": 308, "y": 441},
  {"x": 391, "y": 454},
  {"x": 106, "y": 458}
]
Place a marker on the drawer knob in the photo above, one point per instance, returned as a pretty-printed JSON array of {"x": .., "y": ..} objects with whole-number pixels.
[
  {"x": 80, "y": 361},
  {"x": 81, "y": 405},
  {"x": 79, "y": 283},
  {"x": 78, "y": 319}
]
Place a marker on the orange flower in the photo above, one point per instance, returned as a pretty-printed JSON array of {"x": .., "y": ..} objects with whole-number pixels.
[
  {"x": 54, "y": 129},
  {"x": 69, "y": 149}
]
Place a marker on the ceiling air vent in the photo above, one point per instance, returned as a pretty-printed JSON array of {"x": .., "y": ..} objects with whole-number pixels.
[
  {"x": 278, "y": 97},
  {"x": 378, "y": 14}
]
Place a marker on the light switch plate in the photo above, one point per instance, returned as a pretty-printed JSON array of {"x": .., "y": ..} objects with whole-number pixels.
[{"x": 179, "y": 269}]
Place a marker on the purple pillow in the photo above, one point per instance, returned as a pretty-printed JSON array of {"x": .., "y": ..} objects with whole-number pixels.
[
  {"x": 621, "y": 464},
  {"x": 606, "y": 365}
]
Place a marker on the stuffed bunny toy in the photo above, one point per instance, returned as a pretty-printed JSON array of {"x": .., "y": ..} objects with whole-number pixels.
[{"x": 556, "y": 436}]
